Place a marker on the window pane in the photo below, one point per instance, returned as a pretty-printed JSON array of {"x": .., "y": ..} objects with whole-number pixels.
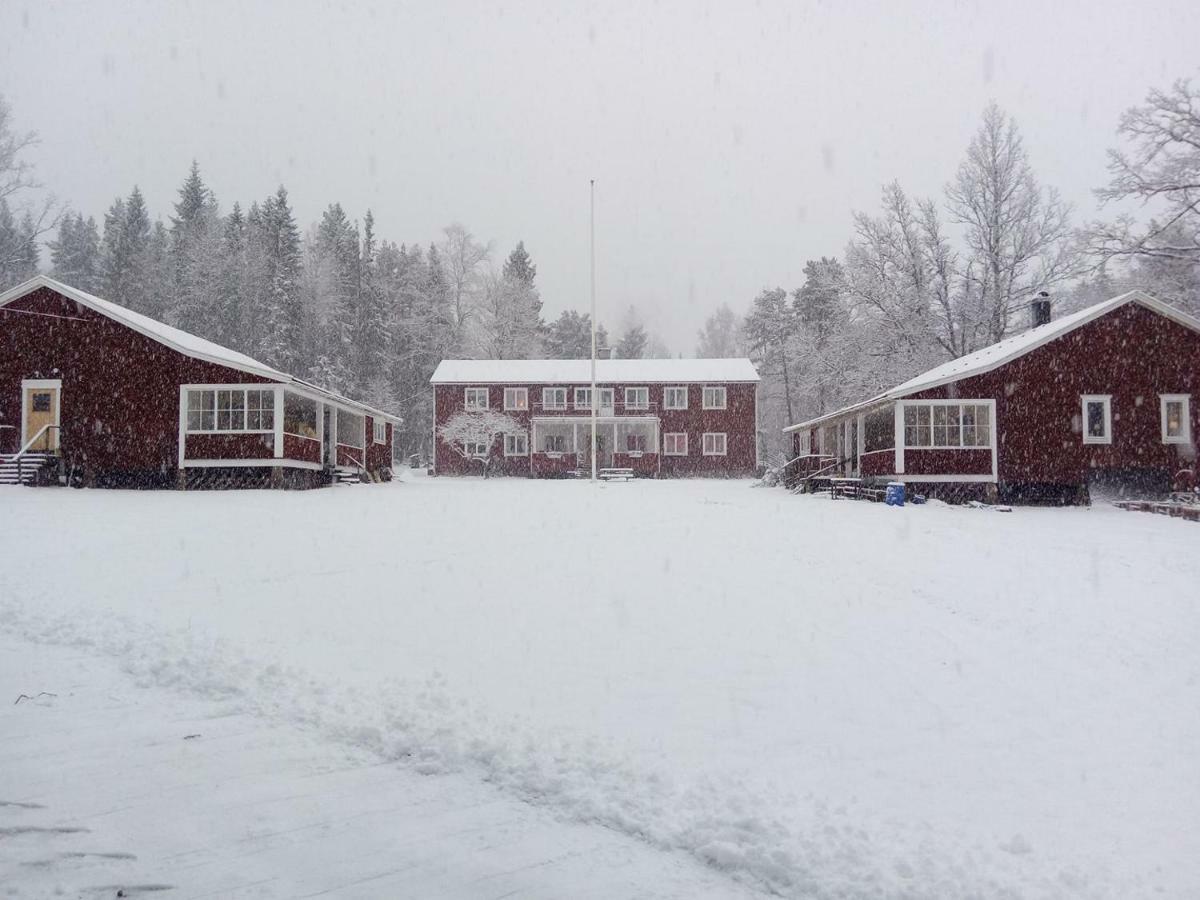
[
  {"x": 299, "y": 415},
  {"x": 1095, "y": 418},
  {"x": 1174, "y": 418}
]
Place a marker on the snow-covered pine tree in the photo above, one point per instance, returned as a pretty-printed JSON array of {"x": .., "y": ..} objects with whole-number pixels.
[
  {"x": 370, "y": 339},
  {"x": 282, "y": 303},
  {"x": 124, "y": 254},
  {"x": 195, "y": 253},
  {"x": 75, "y": 253},
  {"x": 720, "y": 337}
]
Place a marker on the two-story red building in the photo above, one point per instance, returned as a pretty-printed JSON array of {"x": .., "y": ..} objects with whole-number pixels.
[
  {"x": 95, "y": 393},
  {"x": 658, "y": 417},
  {"x": 1106, "y": 394}
]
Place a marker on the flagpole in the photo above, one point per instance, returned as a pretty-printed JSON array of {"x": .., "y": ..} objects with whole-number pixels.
[{"x": 595, "y": 398}]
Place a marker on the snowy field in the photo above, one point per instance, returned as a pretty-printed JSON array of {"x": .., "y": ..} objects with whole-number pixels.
[{"x": 457, "y": 688}]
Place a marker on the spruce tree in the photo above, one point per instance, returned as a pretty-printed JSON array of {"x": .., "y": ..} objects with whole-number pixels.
[
  {"x": 283, "y": 311},
  {"x": 75, "y": 254}
]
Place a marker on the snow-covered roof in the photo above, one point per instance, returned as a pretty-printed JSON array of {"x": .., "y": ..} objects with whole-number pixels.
[
  {"x": 180, "y": 341},
  {"x": 579, "y": 371},
  {"x": 1005, "y": 351}
]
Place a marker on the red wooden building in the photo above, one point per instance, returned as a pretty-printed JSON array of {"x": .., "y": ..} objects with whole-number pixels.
[
  {"x": 108, "y": 396},
  {"x": 1106, "y": 394},
  {"x": 658, "y": 417}
]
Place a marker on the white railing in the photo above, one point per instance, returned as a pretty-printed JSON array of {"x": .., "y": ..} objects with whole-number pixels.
[{"x": 33, "y": 440}]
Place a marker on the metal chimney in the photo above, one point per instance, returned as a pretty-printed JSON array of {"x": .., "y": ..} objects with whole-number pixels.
[
  {"x": 604, "y": 353},
  {"x": 1039, "y": 310}
]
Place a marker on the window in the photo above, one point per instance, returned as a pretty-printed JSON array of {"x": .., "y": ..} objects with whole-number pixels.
[
  {"x": 675, "y": 398},
  {"x": 583, "y": 398},
  {"x": 635, "y": 443},
  {"x": 476, "y": 448},
  {"x": 41, "y": 401},
  {"x": 475, "y": 398},
  {"x": 1176, "y": 418},
  {"x": 351, "y": 429},
  {"x": 1097, "y": 419},
  {"x": 516, "y": 398},
  {"x": 714, "y": 398},
  {"x": 260, "y": 410},
  {"x": 637, "y": 398},
  {"x": 379, "y": 427},
  {"x": 299, "y": 415},
  {"x": 675, "y": 444},
  {"x": 201, "y": 410},
  {"x": 947, "y": 425},
  {"x": 231, "y": 409},
  {"x": 554, "y": 398},
  {"x": 714, "y": 444},
  {"x": 554, "y": 443},
  {"x": 516, "y": 445}
]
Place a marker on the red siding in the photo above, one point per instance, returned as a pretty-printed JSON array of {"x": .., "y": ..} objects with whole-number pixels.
[
  {"x": 231, "y": 446},
  {"x": 942, "y": 462},
  {"x": 1134, "y": 354},
  {"x": 299, "y": 448},
  {"x": 379, "y": 456},
  {"x": 738, "y": 421},
  {"x": 120, "y": 396}
]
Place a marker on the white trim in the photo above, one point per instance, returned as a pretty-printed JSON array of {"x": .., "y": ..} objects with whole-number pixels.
[
  {"x": 638, "y": 406},
  {"x": 1106, "y": 400},
  {"x": 704, "y": 404},
  {"x": 1048, "y": 333},
  {"x": 161, "y": 333},
  {"x": 675, "y": 387},
  {"x": 959, "y": 402},
  {"x": 46, "y": 384},
  {"x": 278, "y": 400},
  {"x": 723, "y": 435},
  {"x": 547, "y": 391},
  {"x": 993, "y": 443},
  {"x": 980, "y": 479},
  {"x": 375, "y": 425},
  {"x": 182, "y": 444},
  {"x": 1185, "y": 436},
  {"x": 248, "y": 463},
  {"x": 898, "y": 435},
  {"x": 675, "y": 434},
  {"x": 468, "y": 391},
  {"x": 524, "y": 392}
]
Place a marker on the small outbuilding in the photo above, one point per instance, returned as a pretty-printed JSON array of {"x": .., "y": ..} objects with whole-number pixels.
[
  {"x": 93, "y": 393},
  {"x": 1103, "y": 396}
]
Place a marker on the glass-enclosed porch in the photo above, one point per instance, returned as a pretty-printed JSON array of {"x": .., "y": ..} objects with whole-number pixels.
[{"x": 562, "y": 444}]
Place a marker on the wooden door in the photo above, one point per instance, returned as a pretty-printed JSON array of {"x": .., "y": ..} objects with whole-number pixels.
[{"x": 41, "y": 409}]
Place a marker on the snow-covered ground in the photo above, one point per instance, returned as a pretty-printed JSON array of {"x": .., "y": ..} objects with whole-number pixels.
[{"x": 811, "y": 698}]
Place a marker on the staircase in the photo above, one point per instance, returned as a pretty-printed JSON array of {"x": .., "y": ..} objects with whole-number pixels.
[
  {"x": 25, "y": 470},
  {"x": 344, "y": 476}
]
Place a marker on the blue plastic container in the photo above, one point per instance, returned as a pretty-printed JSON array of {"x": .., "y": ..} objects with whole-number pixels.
[{"x": 894, "y": 496}]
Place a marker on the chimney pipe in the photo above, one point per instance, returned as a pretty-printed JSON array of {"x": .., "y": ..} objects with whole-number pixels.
[
  {"x": 604, "y": 353},
  {"x": 1039, "y": 310}
]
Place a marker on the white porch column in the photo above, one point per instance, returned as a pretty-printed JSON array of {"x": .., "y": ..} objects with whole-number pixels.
[
  {"x": 898, "y": 431},
  {"x": 278, "y": 439}
]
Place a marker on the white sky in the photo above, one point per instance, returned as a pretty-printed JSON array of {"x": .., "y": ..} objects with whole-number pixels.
[{"x": 730, "y": 142}]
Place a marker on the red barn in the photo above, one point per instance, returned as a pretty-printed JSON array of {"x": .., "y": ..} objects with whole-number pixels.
[
  {"x": 1106, "y": 394},
  {"x": 108, "y": 396},
  {"x": 658, "y": 417}
]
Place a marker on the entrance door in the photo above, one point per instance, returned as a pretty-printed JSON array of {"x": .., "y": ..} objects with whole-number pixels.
[
  {"x": 603, "y": 451},
  {"x": 40, "y": 407}
]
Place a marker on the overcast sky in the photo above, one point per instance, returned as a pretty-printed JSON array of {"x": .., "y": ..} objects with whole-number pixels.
[{"x": 729, "y": 142}]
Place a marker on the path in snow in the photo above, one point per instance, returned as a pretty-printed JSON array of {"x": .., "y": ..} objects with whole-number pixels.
[{"x": 108, "y": 786}]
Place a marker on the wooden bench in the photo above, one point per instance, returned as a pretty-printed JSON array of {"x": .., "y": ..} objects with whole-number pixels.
[{"x": 615, "y": 474}]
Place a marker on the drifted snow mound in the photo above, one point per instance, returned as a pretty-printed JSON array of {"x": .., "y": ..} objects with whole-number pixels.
[{"x": 786, "y": 846}]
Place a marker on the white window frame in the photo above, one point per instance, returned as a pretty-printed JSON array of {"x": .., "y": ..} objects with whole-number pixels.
[
  {"x": 724, "y": 436},
  {"x": 516, "y": 444},
  {"x": 245, "y": 391},
  {"x": 480, "y": 451},
  {"x": 724, "y": 404},
  {"x": 603, "y": 391},
  {"x": 1185, "y": 400},
  {"x": 379, "y": 431},
  {"x": 642, "y": 391},
  {"x": 555, "y": 391},
  {"x": 930, "y": 429},
  {"x": 510, "y": 395},
  {"x": 668, "y": 393},
  {"x": 1106, "y": 400},
  {"x": 676, "y": 451},
  {"x": 473, "y": 406}
]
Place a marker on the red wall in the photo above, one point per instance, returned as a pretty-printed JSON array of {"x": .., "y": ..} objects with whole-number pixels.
[
  {"x": 379, "y": 456},
  {"x": 120, "y": 397},
  {"x": 231, "y": 446},
  {"x": 738, "y": 421},
  {"x": 1134, "y": 354}
]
